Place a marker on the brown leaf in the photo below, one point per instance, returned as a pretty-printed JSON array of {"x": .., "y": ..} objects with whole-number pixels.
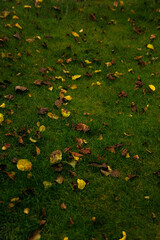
[
  {"x": 30, "y": 40},
  {"x": 20, "y": 89},
  {"x": 56, "y": 156},
  {"x": 115, "y": 173},
  {"x": 60, "y": 179},
  {"x": 79, "y": 142},
  {"x": 133, "y": 107},
  {"x": 69, "y": 60},
  {"x": 88, "y": 74},
  {"x": 71, "y": 221},
  {"x": 153, "y": 36},
  {"x": 95, "y": 164},
  {"x": 82, "y": 127},
  {"x": 138, "y": 84},
  {"x": 76, "y": 154},
  {"x": 43, "y": 111},
  {"x": 38, "y": 82},
  {"x": 85, "y": 150},
  {"x": 10, "y": 175},
  {"x": 16, "y": 35},
  {"x": 115, "y": 4},
  {"x": 46, "y": 83},
  {"x": 44, "y": 44},
  {"x": 63, "y": 206},
  {"x": 122, "y": 94},
  {"x": 43, "y": 70},
  {"x": 58, "y": 102},
  {"x": 110, "y": 76},
  {"x": 72, "y": 173},
  {"x": 132, "y": 177},
  {"x": 124, "y": 152},
  {"x": 57, "y": 167},
  {"x": 57, "y": 8},
  {"x": 111, "y": 149},
  {"x": 20, "y": 140},
  {"x": 67, "y": 149},
  {"x": 10, "y": 97},
  {"x": 92, "y": 17}
]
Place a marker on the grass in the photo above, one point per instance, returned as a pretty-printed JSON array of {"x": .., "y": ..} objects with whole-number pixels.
[{"x": 117, "y": 204}]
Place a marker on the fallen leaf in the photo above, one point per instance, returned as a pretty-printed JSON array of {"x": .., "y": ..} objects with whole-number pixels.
[
  {"x": 24, "y": 165},
  {"x": 110, "y": 149},
  {"x": 17, "y": 25},
  {"x": 52, "y": 115},
  {"x": 82, "y": 127},
  {"x": 35, "y": 235},
  {"x": 81, "y": 184},
  {"x": 20, "y": 89},
  {"x": 38, "y": 151},
  {"x": 26, "y": 210},
  {"x": 92, "y": 17},
  {"x": 124, "y": 152},
  {"x": 124, "y": 236},
  {"x": 122, "y": 94},
  {"x": 63, "y": 206},
  {"x": 75, "y": 34},
  {"x": 76, "y": 77},
  {"x": 150, "y": 46},
  {"x": 1, "y": 118},
  {"x": 65, "y": 112},
  {"x": 32, "y": 140},
  {"x": 85, "y": 150},
  {"x": 9, "y": 97},
  {"x": 43, "y": 111},
  {"x": 56, "y": 156},
  {"x": 47, "y": 184},
  {"x": 152, "y": 87},
  {"x": 58, "y": 102},
  {"x": 42, "y": 128},
  {"x": 59, "y": 179}
]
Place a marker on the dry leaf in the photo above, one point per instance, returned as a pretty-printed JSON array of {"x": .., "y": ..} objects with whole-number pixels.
[
  {"x": 59, "y": 179},
  {"x": 75, "y": 34},
  {"x": 82, "y": 127},
  {"x": 56, "y": 156},
  {"x": 43, "y": 111},
  {"x": 76, "y": 77},
  {"x": 24, "y": 165},
  {"x": 20, "y": 89},
  {"x": 63, "y": 206},
  {"x": 52, "y": 115}
]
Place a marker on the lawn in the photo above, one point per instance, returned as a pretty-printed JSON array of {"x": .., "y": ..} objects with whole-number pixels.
[{"x": 79, "y": 120}]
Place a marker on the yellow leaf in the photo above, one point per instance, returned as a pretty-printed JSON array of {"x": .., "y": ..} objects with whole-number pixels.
[
  {"x": 81, "y": 184},
  {"x": 150, "y": 46},
  {"x": 66, "y": 238},
  {"x": 24, "y": 165},
  {"x": 76, "y": 77},
  {"x": 17, "y": 25},
  {"x": 108, "y": 64},
  {"x": 38, "y": 124},
  {"x": 8, "y": 25},
  {"x": 88, "y": 62},
  {"x": 52, "y": 115},
  {"x": 26, "y": 210},
  {"x": 29, "y": 175},
  {"x": 2, "y": 105},
  {"x": 65, "y": 113},
  {"x": 15, "y": 17},
  {"x": 132, "y": 11},
  {"x": 15, "y": 199},
  {"x": 73, "y": 86},
  {"x": 42, "y": 128},
  {"x": 56, "y": 156},
  {"x": 127, "y": 155},
  {"x": 98, "y": 83},
  {"x": 47, "y": 184},
  {"x": 29, "y": 95},
  {"x": 130, "y": 70},
  {"x": 97, "y": 71},
  {"x": 127, "y": 178},
  {"x": 50, "y": 88},
  {"x": 38, "y": 37},
  {"x": 128, "y": 135},
  {"x": 27, "y": 6},
  {"x": 32, "y": 140},
  {"x": 38, "y": 151},
  {"x": 124, "y": 236},
  {"x": 147, "y": 197},
  {"x": 68, "y": 98},
  {"x": 152, "y": 87},
  {"x": 75, "y": 34},
  {"x": 121, "y": 3}
]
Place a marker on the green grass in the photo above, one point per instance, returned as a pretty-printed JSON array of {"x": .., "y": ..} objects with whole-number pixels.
[{"x": 117, "y": 204}]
